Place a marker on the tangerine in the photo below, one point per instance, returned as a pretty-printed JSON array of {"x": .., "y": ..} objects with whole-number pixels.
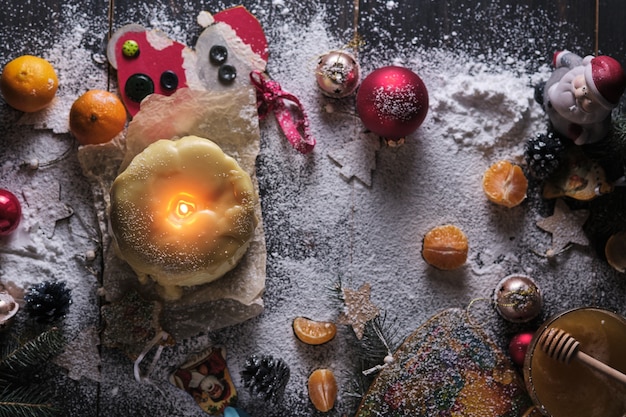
[
  {"x": 313, "y": 332},
  {"x": 505, "y": 184},
  {"x": 97, "y": 117},
  {"x": 445, "y": 247},
  {"x": 28, "y": 83}
]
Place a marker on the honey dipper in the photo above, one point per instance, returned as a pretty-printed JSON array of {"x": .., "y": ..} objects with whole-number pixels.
[{"x": 560, "y": 345}]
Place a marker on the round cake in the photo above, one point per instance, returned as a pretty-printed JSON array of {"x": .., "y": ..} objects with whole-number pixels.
[{"x": 182, "y": 213}]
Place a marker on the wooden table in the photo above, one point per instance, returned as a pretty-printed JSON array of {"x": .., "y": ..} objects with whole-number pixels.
[{"x": 534, "y": 30}]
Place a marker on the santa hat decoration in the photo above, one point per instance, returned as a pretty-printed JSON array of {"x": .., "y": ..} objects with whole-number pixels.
[{"x": 605, "y": 77}]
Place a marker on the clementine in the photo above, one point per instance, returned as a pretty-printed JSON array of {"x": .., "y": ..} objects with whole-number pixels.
[
  {"x": 313, "y": 332},
  {"x": 97, "y": 117},
  {"x": 505, "y": 184},
  {"x": 445, "y": 247},
  {"x": 28, "y": 83}
]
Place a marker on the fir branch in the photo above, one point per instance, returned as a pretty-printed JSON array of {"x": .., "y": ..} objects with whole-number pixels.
[
  {"x": 380, "y": 338},
  {"x": 25, "y": 402},
  {"x": 337, "y": 290},
  {"x": 31, "y": 354}
]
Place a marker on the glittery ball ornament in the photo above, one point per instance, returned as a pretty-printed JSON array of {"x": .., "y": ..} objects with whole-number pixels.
[
  {"x": 392, "y": 102},
  {"x": 337, "y": 74},
  {"x": 10, "y": 212},
  {"x": 519, "y": 346},
  {"x": 518, "y": 299}
]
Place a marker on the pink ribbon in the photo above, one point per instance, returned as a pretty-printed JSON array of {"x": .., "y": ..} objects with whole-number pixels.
[{"x": 292, "y": 119}]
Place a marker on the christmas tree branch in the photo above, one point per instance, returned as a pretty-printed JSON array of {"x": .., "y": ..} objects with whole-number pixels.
[
  {"x": 25, "y": 402},
  {"x": 31, "y": 354}
]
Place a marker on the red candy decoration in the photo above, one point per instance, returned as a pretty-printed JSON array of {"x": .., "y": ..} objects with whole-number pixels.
[
  {"x": 392, "y": 102},
  {"x": 10, "y": 212},
  {"x": 518, "y": 347}
]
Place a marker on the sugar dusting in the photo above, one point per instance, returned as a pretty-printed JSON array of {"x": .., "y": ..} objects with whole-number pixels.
[{"x": 319, "y": 225}]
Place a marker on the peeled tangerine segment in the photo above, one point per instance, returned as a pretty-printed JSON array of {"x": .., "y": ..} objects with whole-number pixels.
[
  {"x": 445, "y": 247},
  {"x": 505, "y": 184},
  {"x": 313, "y": 332},
  {"x": 323, "y": 389}
]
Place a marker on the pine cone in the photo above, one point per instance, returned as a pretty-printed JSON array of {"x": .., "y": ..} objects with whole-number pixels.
[
  {"x": 543, "y": 154},
  {"x": 48, "y": 301},
  {"x": 265, "y": 377}
]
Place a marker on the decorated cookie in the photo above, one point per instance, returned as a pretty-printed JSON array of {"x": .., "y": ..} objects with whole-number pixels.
[
  {"x": 447, "y": 367},
  {"x": 148, "y": 62}
]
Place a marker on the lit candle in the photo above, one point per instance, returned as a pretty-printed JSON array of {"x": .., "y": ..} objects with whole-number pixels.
[{"x": 182, "y": 213}]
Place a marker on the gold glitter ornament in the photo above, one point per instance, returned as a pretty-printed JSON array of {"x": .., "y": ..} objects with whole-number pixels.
[
  {"x": 518, "y": 299},
  {"x": 337, "y": 74}
]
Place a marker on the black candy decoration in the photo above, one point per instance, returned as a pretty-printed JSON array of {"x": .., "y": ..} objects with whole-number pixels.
[
  {"x": 138, "y": 87},
  {"x": 227, "y": 74},
  {"x": 218, "y": 54},
  {"x": 169, "y": 80}
]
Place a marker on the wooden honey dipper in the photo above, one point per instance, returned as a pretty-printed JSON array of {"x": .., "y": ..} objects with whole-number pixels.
[{"x": 560, "y": 345}]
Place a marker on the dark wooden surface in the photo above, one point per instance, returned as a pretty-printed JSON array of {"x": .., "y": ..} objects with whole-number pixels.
[{"x": 534, "y": 29}]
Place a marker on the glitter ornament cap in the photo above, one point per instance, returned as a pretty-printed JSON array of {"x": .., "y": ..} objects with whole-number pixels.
[
  {"x": 338, "y": 74},
  {"x": 518, "y": 299}
]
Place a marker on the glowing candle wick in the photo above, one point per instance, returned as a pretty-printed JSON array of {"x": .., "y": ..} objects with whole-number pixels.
[
  {"x": 180, "y": 208},
  {"x": 183, "y": 209}
]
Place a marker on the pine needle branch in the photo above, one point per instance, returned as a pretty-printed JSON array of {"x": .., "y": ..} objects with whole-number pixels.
[
  {"x": 31, "y": 354},
  {"x": 380, "y": 338},
  {"x": 25, "y": 402}
]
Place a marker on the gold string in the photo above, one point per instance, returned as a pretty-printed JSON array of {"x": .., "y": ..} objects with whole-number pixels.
[
  {"x": 356, "y": 42},
  {"x": 597, "y": 27},
  {"x": 468, "y": 314}
]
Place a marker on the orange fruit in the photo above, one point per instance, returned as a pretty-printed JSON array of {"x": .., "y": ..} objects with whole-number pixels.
[
  {"x": 323, "y": 389},
  {"x": 97, "y": 117},
  {"x": 445, "y": 247},
  {"x": 505, "y": 184},
  {"x": 313, "y": 332},
  {"x": 28, "y": 83}
]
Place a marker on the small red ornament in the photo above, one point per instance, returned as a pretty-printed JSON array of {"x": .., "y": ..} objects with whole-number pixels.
[
  {"x": 10, "y": 212},
  {"x": 519, "y": 346},
  {"x": 392, "y": 102}
]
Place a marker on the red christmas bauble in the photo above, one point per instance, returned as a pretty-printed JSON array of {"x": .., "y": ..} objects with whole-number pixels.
[
  {"x": 10, "y": 212},
  {"x": 392, "y": 102},
  {"x": 519, "y": 346}
]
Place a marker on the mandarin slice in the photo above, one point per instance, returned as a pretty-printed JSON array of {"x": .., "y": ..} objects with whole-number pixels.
[
  {"x": 445, "y": 247},
  {"x": 323, "y": 389},
  {"x": 313, "y": 332},
  {"x": 505, "y": 184}
]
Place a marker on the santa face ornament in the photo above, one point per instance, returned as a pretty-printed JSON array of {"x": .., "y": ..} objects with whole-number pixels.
[{"x": 580, "y": 95}]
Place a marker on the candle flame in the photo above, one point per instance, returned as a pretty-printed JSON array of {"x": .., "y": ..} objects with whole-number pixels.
[{"x": 181, "y": 208}]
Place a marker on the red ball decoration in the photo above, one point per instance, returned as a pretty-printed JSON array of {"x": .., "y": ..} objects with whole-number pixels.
[
  {"x": 392, "y": 102},
  {"x": 10, "y": 212},
  {"x": 519, "y": 346}
]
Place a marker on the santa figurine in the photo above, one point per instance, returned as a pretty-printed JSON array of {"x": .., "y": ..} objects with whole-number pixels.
[{"x": 581, "y": 93}]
